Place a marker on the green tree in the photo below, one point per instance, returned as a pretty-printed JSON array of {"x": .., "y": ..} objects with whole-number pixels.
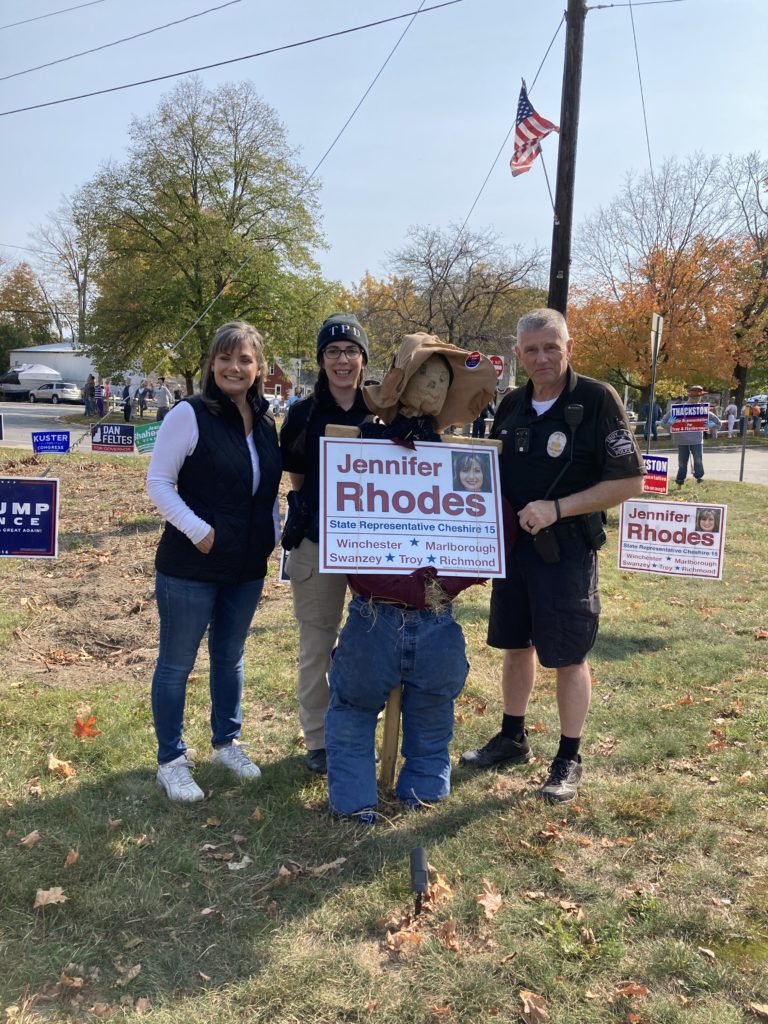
[{"x": 211, "y": 207}]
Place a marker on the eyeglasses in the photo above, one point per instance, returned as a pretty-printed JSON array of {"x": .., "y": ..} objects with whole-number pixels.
[{"x": 333, "y": 353}]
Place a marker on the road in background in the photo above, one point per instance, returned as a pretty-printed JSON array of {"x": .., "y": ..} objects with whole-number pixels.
[{"x": 21, "y": 418}]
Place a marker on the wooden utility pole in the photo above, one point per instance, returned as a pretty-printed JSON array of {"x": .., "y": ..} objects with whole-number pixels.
[{"x": 559, "y": 268}]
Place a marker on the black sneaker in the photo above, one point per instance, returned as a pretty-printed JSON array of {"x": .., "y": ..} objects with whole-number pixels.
[
  {"x": 499, "y": 751},
  {"x": 563, "y": 780},
  {"x": 316, "y": 761}
]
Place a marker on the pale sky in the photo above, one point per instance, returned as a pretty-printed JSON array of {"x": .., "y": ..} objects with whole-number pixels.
[{"x": 422, "y": 143}]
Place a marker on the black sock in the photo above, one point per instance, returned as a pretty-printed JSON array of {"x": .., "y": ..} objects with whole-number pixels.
[
  {"x": 569, "y": 747},
  {"x": 513, "y": 726}
]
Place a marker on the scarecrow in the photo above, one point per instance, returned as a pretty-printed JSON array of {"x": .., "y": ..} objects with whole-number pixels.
[{"x": 400, "y": 629}]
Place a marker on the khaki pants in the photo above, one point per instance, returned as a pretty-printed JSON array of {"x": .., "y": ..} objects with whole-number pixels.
[{"x": 318, "y": 603}]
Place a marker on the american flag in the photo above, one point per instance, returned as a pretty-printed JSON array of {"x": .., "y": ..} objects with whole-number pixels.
[{"x": 530, "y": 129}]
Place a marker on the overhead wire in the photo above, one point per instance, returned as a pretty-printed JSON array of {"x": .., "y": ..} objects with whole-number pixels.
[
  {"x": 232, "y": 60},
  {"x": 117, "y": 42},
  {"x": 51, "y": 14},
  {"x": 642, "y": 98}
]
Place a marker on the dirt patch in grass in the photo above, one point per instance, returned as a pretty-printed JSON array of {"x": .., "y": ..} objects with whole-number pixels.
[{"x": 93, "y": 608}]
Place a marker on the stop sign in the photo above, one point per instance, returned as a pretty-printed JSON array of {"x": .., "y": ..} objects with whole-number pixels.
[{"x": 498, "y": 364}]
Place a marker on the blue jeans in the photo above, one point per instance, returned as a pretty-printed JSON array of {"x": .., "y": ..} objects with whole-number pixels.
[
  {"x": 187, "y": 608},
  {"x": 684, "y": 452},
  {"x": 380, "y": 647}
]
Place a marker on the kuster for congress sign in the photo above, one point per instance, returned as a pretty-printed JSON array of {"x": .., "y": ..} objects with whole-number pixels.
[{"x": 387, "y": 509}]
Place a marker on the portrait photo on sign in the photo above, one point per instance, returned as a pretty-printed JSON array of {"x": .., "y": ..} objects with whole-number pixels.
[
  {"x": 708, "y": 520},
  {"x": 471, "y": 471}
]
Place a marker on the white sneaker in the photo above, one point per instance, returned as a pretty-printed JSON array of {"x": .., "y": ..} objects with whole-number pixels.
[
  {"x": 175, "y": 778},
  {"x": 233, "y": 756}
]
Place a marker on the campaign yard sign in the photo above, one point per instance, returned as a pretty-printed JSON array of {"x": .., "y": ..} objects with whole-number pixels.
[
  {"x": 145, "y": 435},
  {"x": 673, "y": 538},
  {"x": 29, "y": 517},
  {"x": 112, "y": 437},
  {"x": 386, "y": 509},
  {"x": 44, "y": 441},
  {"x": 688, "y": 416},
  {"x": 656, "y": 470}
]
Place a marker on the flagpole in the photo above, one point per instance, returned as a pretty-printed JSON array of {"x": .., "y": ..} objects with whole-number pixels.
[{"x": 559, "y": 269}]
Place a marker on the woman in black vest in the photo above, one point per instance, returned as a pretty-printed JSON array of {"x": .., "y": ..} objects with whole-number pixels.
[{"x": 214, "y": 475}]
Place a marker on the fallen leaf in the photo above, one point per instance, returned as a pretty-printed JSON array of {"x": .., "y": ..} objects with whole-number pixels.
[
  {"x": 256, "y": 814},
  {"x": 238, "y": 865},
  {"x": 114, "y": 822},
  {"x": 759, "y": 1009},
  {"x": 207, "y": 910},
  {"x": 761, "y": 634},
  {"x": 285, "y": 876},
  {"x": 535, "y": 1008},
  {"x": 439, "y": 1010},
  {"x": 324, "y": 869},
  {"x": 71, "y": 858},
  {"x": 396, "y": 940},
  {"x": 238, "y": 838},
  {"x": 212, "y": 822},
  {"x": 127, "y": 976},
  {"x": 142, "y": 1004},
  {"x": 534, "y": 895},
  {"x": 57, "y": 767},
  {"x": 490, "y": 899},
  {"x": 102, "y": 1010},
  {"x": 86, "y": 729},
  {"x": 30, "y": 839},
  {"x": 205, "y": 977},
  {"x": 371, "y": 1005},
  {"x": 446, "y": 934},
  {"x": 633, "y": 991},
  {"x": 65, "y": 979},
  {"x": 708, "y": 953},
  {"x": 744, "y": 778},
  {"x": 46, "y": 897}
]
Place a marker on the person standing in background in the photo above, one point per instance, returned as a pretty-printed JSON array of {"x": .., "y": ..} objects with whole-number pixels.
[
  {"x": 730, "y": 412},
  {"x": 690, "y": 443},
  {"x": 163, "y": 398}
]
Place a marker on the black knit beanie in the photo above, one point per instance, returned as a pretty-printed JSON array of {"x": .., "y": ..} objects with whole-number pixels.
[{"x": 339, "y": 328}]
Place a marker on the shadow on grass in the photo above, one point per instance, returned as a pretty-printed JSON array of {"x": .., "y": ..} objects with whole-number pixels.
[
  {"x": 193, "y": 892},
  {"x": 616, "y": 646}
]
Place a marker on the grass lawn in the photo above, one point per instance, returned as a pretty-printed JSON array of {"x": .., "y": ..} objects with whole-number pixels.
[{"x": 646, "y": 902}]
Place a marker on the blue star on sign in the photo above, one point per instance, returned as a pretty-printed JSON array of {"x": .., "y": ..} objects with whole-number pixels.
[
  {"x": 390, "y": 558},
  {"x": 414, "y": 542},
  {"x": 431, "y": 558}
]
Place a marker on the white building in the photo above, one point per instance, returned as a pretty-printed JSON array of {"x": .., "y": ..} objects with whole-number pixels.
[{"x": 62, "y": 356}]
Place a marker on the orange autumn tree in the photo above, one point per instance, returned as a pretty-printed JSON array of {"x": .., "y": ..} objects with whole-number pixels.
[
  {"x": 697, "y": 291},
  {"x": 672, "y": 242}
]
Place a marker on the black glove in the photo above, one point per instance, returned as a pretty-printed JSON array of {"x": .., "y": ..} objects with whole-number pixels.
[{"x": 295, "y": 527}]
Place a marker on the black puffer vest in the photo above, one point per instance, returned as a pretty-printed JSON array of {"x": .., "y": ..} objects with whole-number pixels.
[{"x": 216, "y": 482}]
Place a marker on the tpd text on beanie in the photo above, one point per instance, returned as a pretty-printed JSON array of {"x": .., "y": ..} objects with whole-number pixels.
[{"x": 340, "y": 328}]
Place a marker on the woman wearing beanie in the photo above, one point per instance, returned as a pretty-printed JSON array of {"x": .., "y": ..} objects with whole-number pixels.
[{"x": 318, "y": 600}]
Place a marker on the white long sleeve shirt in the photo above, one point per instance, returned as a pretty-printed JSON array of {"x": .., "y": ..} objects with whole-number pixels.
[{"x": 176, "y": 440}]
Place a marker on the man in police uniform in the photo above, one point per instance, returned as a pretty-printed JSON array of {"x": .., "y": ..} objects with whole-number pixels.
[{"x": 568, "y": 454}]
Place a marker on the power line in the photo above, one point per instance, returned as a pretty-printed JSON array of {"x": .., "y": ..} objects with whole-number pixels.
[
  {"x": 239, "y": 269},
  {"x": 642, "y": 97},
  {"x": 51, "y": 14},
  {"x": 125, "y": 39},
  {"x": 26, "y": 248},
  {"x": 233, "y": 60}
]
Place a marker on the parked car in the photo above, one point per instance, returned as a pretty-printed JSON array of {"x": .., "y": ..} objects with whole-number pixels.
[
  {"x": 757, "y": 400},
  {"x": 56, "y": 391}
]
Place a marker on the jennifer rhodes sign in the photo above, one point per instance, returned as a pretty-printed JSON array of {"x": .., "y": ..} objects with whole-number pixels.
[
  {"x": 388, "y": 509},
  {"x": 673, "y": 538}
]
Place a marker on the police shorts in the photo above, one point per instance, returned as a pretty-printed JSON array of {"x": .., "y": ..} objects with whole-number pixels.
[{"x": 554, "y": 608}]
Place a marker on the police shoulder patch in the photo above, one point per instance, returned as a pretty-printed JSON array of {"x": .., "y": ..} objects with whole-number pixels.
[{"x": 619, "y": 443}]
